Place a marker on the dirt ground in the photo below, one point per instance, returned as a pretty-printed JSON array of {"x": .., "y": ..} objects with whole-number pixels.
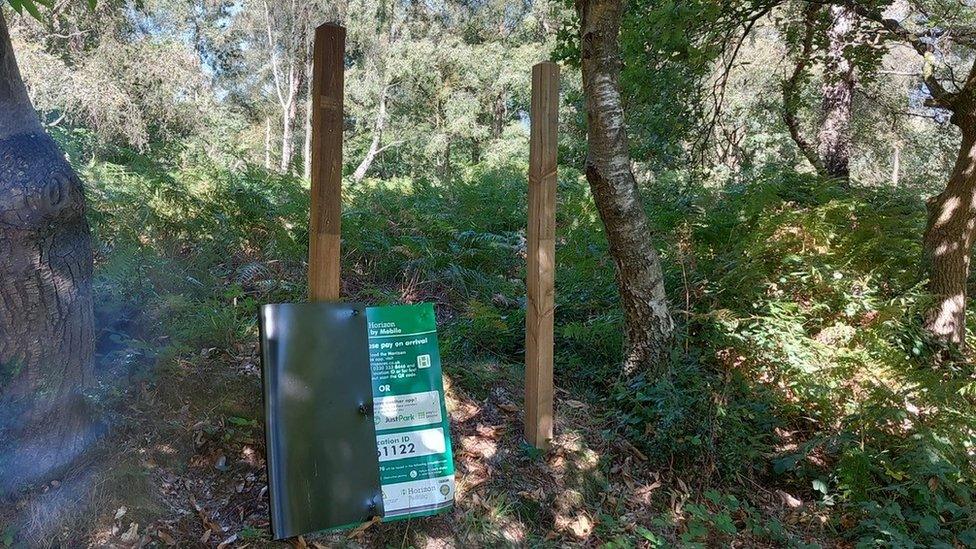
[{"x": 184, "y": 466}]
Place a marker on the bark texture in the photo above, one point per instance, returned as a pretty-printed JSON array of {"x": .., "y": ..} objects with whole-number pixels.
[
  {"x": 307, "y": 143},
  {"x": 46, "y": 321},
  {"x": 948, "y": 240},
  {"x": 834, "y": 138},
  {"x": 289, "y": 114},
  {"x": 830, "y": 151},
  {"x": 638, "y": 268}
]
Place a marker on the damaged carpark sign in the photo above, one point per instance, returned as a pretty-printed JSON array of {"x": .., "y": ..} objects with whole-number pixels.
[
  {"x": 413, "y": 442},
  {"x": 356, "y": 422}
]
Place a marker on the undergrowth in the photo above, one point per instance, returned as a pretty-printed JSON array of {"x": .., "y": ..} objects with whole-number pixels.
[{"x": 800, "y": 362}]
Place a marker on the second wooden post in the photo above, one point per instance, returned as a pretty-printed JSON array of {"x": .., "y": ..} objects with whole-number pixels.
[
  {"x": 326, "y": 208},
  {"x": 541, "y": 254}
]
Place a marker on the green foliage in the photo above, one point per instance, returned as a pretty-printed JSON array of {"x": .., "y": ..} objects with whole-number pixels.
[
  {"x": 668, "y": 48},
  {"x": 800, "y": 364},
  {"x": 806, "y": 320},
  {"x": 800, "y": 361}
]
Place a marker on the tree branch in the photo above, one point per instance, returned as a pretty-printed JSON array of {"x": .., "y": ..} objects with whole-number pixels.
[
  {"x": 941, "y": 96},
  {"x": 274, "y": 55},
  {"x": 791, "y": 90},
  {"x": 721, "y": 83}
]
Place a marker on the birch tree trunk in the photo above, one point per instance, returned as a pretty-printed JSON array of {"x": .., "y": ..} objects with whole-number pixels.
[
  {"x": 46, "y": 320},
  {"x": 307, "y": 143},
  {"x": 895, "y": 164},
  {"x": 649, "y": 326},
  {"x": 374, "y": 145},
  {"x": 289, "y": 72},
  {"x": 267, "y": 142},
  {"x": 289, "y": 116}
]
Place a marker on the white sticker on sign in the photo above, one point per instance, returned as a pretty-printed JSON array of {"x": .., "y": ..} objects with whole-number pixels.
[
  {"x": 410, "y": 444},
  {"x": 421, "y": 495},
  {"x": 411, "y": 410}
]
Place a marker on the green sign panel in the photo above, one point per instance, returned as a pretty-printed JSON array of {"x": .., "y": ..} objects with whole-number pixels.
[{"x": 413, "y": 442}]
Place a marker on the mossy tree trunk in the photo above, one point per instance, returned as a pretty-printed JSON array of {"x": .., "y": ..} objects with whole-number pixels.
[
  {"x": 834, "y": 137},
  {"x": 46, "y": 321},
  {"x": 830, "y": 152},
  {"x": 638, "y": 268}
]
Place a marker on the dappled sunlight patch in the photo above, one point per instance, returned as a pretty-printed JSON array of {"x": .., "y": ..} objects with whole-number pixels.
[
  {"x": 481, "y": 446},
  {"x": 570, "y": 515},
  {"x": 797, "y": 235}
]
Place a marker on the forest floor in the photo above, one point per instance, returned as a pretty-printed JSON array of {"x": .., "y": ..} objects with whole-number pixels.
[{"x": 186, "y": 467}]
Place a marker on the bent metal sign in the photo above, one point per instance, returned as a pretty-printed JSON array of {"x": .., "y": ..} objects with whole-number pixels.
[{"x": 323, "y": 364}]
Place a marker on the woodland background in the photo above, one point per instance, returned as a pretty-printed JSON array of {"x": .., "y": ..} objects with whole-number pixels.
[{"x": 803, "y": 403}]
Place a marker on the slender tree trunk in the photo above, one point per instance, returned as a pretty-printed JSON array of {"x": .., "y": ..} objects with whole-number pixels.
[
  {"x": 307, "y": 151},
  {"x": 948, "y": 240},
  {"x": 896, "y": 164},
  {"x": 834, "y": 142},
  {"x": 287, "y": 140},
  {"x": 498, "y": 116},
  {"x": 307, "y": 62},
  {"x": 267, "y": 142},
  {"x": 287, "y": 86},
  {"x": 638, "y": 268},
  {"x": 374, "y": 145},
  {"x": 46, "y": 321},
  {"x": 446, "y": 161},
  {"x": 791, "y": 89},
  {"x": 289, "y": 115}
]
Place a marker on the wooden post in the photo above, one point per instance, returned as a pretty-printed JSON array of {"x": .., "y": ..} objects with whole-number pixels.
[
  {"x": 326, "y": 208},
  {"x": 541, "y": 254}
]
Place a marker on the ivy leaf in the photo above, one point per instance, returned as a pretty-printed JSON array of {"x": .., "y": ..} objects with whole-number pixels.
[
  {"x": 929, "y": 524},
  {"x": 32, "y": 9},
  {"x": 242, "y": 422}
]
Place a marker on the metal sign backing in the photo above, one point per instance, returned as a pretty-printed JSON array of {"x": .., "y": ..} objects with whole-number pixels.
[{"x": 321, "y": 439}]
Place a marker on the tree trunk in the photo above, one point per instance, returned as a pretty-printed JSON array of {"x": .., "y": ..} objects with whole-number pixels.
[
  {"x": 834, "y": 142},
  {"x": 895, "y": 164},
  {"x": 498, "y": 116},
  {"x": 46, "y": 321},
  {"x": 287, "y": 139},
  {"x": 948, "y": 240},
  {"x": 374, "y": 145},
  {"x": 649, "y": 325},
  {"x": 307, "y": 144},
  {"x": 289, "y": 113},
  {"x": 791, "y": 89},
  {"x": 267, "y": 142},
  {"x": 446, "y": 161}
]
